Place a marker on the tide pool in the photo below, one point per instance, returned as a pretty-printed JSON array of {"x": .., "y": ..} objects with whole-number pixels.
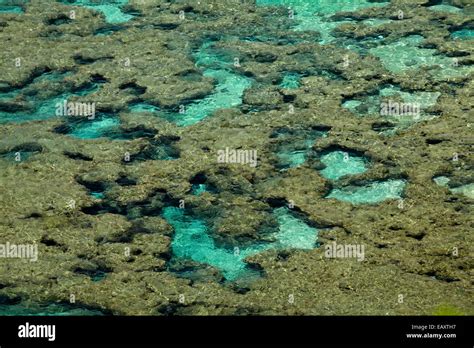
[
  {"x": 466, "y": 190},
  {"x": 372, "y": 193},
  {"x": 315, "y": 14},
  {"x": 111, "y": 9},
  {"x": 295, "y": 145},
  {"x": 192, "y": 240},
  {"x": 340, "y": 163},
  {"x": 463, "y": 34}
]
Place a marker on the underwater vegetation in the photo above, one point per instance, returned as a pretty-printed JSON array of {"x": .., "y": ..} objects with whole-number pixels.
[{"x": 223, "y": 157}]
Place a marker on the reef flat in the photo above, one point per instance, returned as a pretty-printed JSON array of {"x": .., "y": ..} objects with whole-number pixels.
[{"x": 132, "y": 212}]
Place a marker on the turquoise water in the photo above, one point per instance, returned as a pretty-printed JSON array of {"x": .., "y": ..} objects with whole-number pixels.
[
  {"x": 12, "y": 6},
  {"x": 18, "y": 155},
  {"x": 197, "y": 189},
  {"x": 466, "y": 190},
  {"x": 228, "y": 90},
  {"x": 111, "y": 9},
  {"x": 340, "y": 163},
  {"x": 373, "y": 193},
  {"x": 11, "y": 9},
  {"x": 143, "y": 107},
  {"x": 192, "y": 241},
  {"x": 97, "y": 195},
  {"x": 464, "y": 34},
  {"x": 406, "y": 55},
  {"x": 295, "y": 146},
  {"x": 97, "y": 128},
  {"x": 40, "y": 98},
  {"x": 315, "y": 14},
  {"x": 373, "y": 105},
  {"x": 227, "y": 94},
  {"x": 290, "y": 80},
  {"x": 46, "y": 310},
  {"x": 445, "y": 8},
  {"x": 293, "y": 233}
]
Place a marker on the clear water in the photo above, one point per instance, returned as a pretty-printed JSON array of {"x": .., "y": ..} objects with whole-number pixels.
[
  {"x": 467, "y": 190},
  {"x": 314, "y": 14},
  {"x": 143, "y": 107},
  {"x": 12, "y": 156},
  {"x": 445, "y": 8},
  {"x": 110, "y": 8},
  {"x": 97, "y": 195},
  {"x": 373, "y": 193},
  {"x": 290, "y": 80},
  {"x": 45, "y": 310},
  {"x": 197, "y": 189},
  {"x": 41, "y": 97},
  {"x": 295, "y": 147},
  {"x": 96, "y": 128},
  {"x": 463, "y": 34},
  {"x": 192, "y": 241},
  {"x": 406, "y": 55},
  {"x": 372, "y": 105},
  {"x": 228, "y": 90},
  {"x": 11, "y": 9},
  {"x": 293, "y": 233},
  {"x": 340, "y": 163},
  {"x": 227, "y": 94},
  {"x": 12, "y": 6}
]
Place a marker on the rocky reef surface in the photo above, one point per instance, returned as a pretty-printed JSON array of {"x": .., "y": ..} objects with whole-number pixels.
[{"x": 133, "y": 213}]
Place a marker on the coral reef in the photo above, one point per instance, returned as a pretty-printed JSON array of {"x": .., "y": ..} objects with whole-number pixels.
[{"x": 174, "y": 83}]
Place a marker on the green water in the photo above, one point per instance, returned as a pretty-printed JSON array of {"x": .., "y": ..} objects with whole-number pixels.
[
  {"x": 12, "y": 6},
  {"x": 97, "y": 195},
  {"x": 227, "y": 94}
]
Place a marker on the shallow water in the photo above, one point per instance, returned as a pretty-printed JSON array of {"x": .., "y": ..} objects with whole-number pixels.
[
  {"x": 372, "y": 193},
  {"x": 111, "y": 9},
  {"x": 466, "y": 190},
  {"x": 290, "y": 145},
  {"x": 46, "y": 310},
  {"x": 340, "y": 163},
  {"x": 192, "y": 240},
  {"x": 315, "y": 14}
]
